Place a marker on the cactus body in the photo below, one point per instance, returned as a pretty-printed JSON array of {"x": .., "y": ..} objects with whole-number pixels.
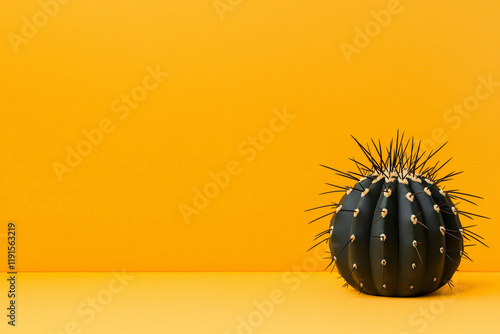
[{"x": 395, "y": 232}]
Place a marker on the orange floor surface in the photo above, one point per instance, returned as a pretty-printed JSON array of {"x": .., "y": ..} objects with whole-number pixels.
[{"x": 241, "y": 303}]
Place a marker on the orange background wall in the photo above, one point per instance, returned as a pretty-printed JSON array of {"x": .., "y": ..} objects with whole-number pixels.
[{"x": 231, "y": 70}]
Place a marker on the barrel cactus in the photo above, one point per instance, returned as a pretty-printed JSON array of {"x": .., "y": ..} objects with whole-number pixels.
[{"x": 396, "y": 231}]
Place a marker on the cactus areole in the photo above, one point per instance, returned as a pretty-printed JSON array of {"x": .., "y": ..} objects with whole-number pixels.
[{"x": 396, "y": 231}]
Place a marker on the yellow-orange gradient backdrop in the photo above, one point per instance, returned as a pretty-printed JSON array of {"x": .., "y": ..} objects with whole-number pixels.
[{"x": 187, "y": 135}]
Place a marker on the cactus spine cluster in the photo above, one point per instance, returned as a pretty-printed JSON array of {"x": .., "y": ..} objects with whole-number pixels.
[{"x": 396, "y": 231}]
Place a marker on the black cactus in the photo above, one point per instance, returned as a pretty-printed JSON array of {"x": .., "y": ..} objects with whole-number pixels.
[{"x": 396, "y": 231}]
